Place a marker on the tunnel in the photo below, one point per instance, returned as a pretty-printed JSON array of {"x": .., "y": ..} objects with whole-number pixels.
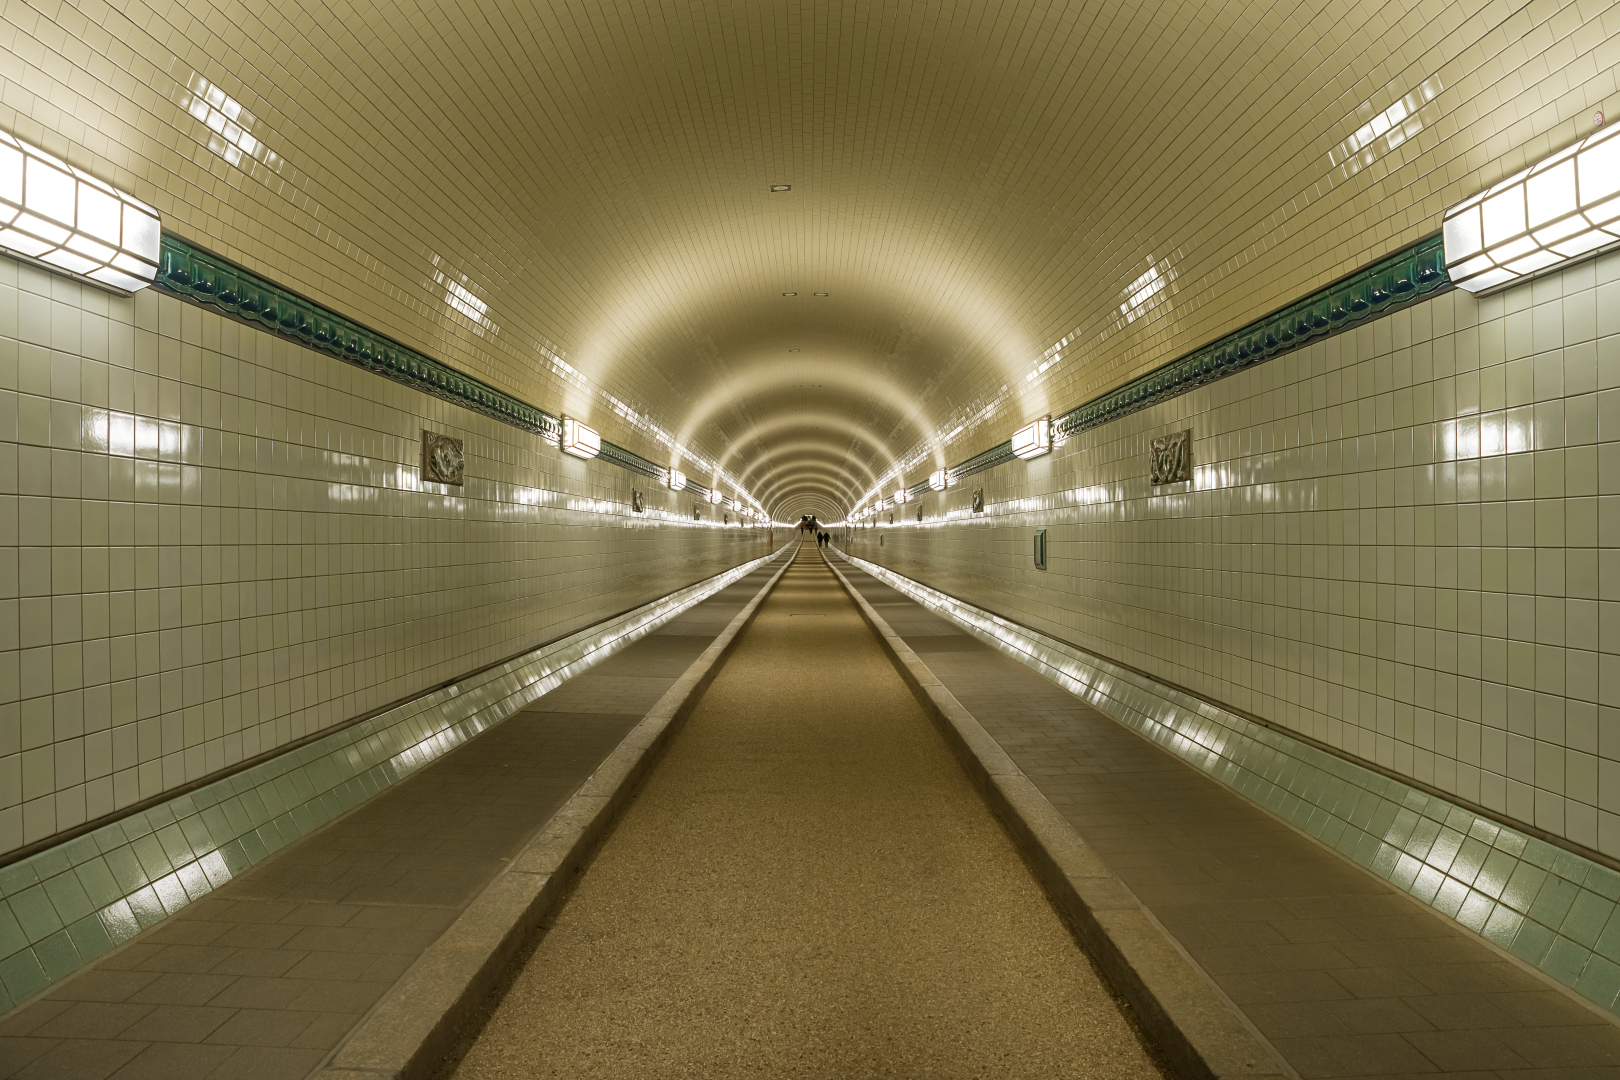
[{"x": 870, "y": 538}]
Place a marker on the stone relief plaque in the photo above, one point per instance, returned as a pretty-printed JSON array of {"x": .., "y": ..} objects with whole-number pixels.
[
  {"x": 442, "y": 459},
  {"x": 1170, "y": 457},
  {"x": 637, "y": 502},
  {"x": 978, "y": 500},
  {"x": 919, "y": 511}
]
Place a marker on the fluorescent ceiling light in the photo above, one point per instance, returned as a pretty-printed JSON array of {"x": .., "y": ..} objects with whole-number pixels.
[
  {"x": 63, "y": 216},
  {"x": 677, "y": 480},
  {"x": 1550, "y": 214},
  {"x": 579, "y": 440},
  {"x": 1034, "y": 440},
  {"x": 940, "y": 480}
]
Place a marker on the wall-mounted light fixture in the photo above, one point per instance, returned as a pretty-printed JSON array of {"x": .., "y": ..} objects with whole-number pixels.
[
  {"x": 714, "y": 495},
  {"x": 1539, "y": 218},
  {"x": 677, "y": 480},
  {"x": 63, "y": 216},
  {"x": 1034, "y": 440},
  {"x": 579, "y": 440},
  {"x": 901, "y": 496},
  {"x": 939, "y": 480}
]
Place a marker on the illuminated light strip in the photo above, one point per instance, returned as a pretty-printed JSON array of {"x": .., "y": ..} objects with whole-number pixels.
[
  {"x": 579, "y": 440},
  {"x": 1538, "y": 219},
  {"x": 1409, "y": 837},
  {"x": 66, "y": 218},
  {"x": 207, "y": 837}
]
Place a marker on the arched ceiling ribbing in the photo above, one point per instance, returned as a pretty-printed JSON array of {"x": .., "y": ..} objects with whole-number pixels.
[{"x": 1010, "y": 205}]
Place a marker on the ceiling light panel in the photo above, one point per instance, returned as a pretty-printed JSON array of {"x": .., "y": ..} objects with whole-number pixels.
[
  {"x": 63, "y": 216},
  {"x": 1552, "y": 213}
]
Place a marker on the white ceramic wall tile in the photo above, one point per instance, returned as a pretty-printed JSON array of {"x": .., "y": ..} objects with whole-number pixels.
[
  {"x": 1401, "y": 541},
  {"x": 214, "y": 542}
]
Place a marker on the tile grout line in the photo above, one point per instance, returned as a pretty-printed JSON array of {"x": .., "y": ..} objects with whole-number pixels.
[
  {"x": 417, "y": 1023},
  {"x": 1194, "y": 1025}
]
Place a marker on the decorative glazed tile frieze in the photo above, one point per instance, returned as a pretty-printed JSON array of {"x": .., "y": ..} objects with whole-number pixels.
[
  {"x": 1418, "y": 271},
  {"x": 208, "y": 279}
]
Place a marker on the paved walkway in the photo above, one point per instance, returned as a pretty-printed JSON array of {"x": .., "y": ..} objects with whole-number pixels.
[
  {"x": 807, "y": 886},
  {"x": 1344, "y": 975},
  {"x": 265, "y": 976}
]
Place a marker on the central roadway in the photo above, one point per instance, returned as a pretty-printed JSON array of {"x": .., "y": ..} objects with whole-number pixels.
[{"x": 807, "y": 886}]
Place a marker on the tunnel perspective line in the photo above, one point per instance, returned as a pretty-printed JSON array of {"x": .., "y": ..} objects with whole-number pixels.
[{"x": 807, "y": 885}]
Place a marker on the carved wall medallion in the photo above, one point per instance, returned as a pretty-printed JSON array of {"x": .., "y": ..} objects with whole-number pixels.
[
  {"x": 442, "y": 459},
  {"x": 637, "y": 502},
  {"x": 695, "y": 512},
  {"x": 1170, "y": 457},
  {"x": 978, "y": 500},
  {"x": 919, "y": 511}
]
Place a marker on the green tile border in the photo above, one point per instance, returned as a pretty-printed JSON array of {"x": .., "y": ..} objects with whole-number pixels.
[
  {"x": 208, "y": 279},
  {"x": 1550, "y": 907},
  {"x": 1418, "y": 271},
  {"x": 65, "y": 906}
]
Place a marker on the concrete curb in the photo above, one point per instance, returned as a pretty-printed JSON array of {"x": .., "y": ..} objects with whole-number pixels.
[
  {"x": 408, "y": 1033},
  {"x": 1189, "y": 1023}
]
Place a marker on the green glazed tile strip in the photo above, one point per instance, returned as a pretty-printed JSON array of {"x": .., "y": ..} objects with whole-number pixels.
[
  {"x": 1552, "y": 908},
  {"x": 209, "y": 279},
  {"x": 978, "y": 463},
  {"x": 1418, "y": 271},
  {"x": 623, "y": 458},
  {"x": 63, "y": 907}
]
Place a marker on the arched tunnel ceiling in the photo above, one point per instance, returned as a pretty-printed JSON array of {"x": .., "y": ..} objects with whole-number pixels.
[{"x": 1011, "y": 206}]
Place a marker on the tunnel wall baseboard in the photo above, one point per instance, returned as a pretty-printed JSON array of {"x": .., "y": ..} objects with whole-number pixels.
[
  {"x": 64, "y": 906},
  {"x": 1545, "y": 905}
]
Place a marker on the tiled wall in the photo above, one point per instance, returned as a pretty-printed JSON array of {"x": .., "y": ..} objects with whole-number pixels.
[
  {"x": 214, "y": 542},
  {"x": 984, "y": 187},
  {"x": 1401, "y": 541}
]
